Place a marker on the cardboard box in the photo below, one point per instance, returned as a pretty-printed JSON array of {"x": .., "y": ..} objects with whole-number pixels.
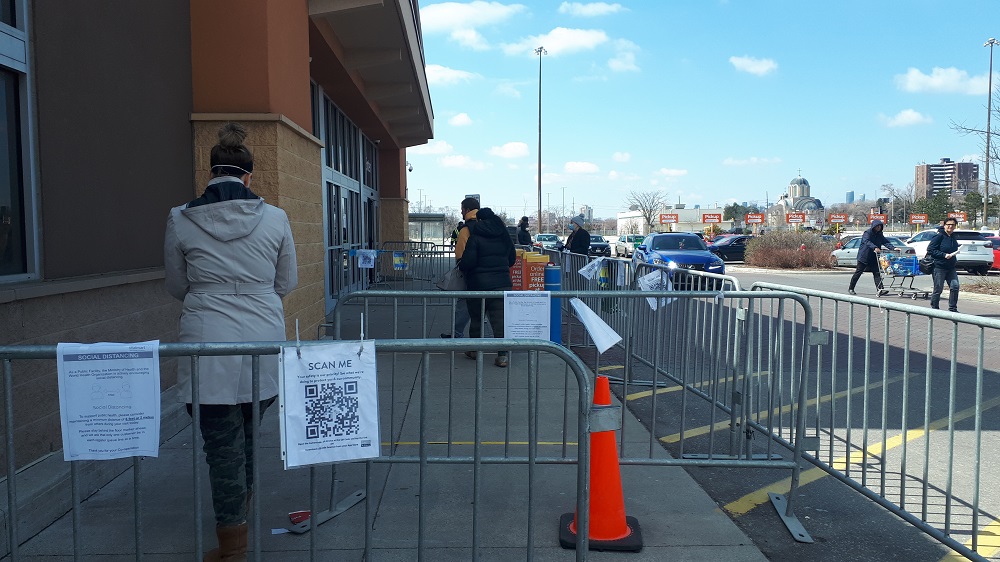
[{"x": 528, "y": 271}]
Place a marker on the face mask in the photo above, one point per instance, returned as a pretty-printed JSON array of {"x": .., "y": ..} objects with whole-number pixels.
[{"x": 572, "y": 226}]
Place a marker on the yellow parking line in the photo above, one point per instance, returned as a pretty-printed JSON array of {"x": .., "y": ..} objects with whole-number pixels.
[
  {"x": 610, "y": 368},
  {"x": 987, "y": 546},
  {"x": 675, "y": 388},
  {"x": 416, "y": 443},
  {"x": 723, "y": 425},
  {"x": 748, "y": 502}
]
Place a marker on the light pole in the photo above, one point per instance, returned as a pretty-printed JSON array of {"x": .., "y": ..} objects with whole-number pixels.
[
  {"x": 989, "y": 110},
  {"x": 562, "y": 207},
  {"x": 540, "y": 51}
]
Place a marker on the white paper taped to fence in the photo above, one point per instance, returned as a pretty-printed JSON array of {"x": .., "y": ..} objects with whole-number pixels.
[
  {"x": 366, "y": 258},
  {"x": 603, "y": 335},
  {"x": 621, "y": 275},
  {"x": 656, "y": 281},
  {"x": 527, "y": 314},
  {"x": 109, "y": 399},
  {"x": 328, "y": 403},
  {"x": 591, "y": 269}
]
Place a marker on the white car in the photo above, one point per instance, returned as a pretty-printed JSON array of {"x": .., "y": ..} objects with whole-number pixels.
[
  {"x": 848, "y": 253},
  {"x": 975, "y": 252}
]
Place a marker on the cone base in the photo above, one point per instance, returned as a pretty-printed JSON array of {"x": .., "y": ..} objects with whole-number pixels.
[{"x": 630, "y": 543}]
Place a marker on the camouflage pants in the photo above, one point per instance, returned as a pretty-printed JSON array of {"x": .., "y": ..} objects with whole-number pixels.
[{"x": 228, "y": 434}]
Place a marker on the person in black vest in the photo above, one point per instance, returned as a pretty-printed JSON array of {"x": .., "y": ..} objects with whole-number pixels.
[
  {"x": 485, "y": 254},
  {"x": 523, "y": 236},
  {"x": 943, "y": 248},
  {"x": 578, "y": 241},
  {"x": 872, "y": 242}
]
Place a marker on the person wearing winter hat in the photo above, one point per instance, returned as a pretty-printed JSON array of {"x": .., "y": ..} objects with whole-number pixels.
[
  {"x": 578, "y": 241},
  {"x": 872, "y": 242},
  {"x": 523, "y": 236}
]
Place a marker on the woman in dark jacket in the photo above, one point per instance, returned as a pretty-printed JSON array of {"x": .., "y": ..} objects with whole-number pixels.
[
  {"x": 872, "y": 242},
  {"x": 943, "y": 249},
  {"x": 523, "y": 236},
  {"x": 486, "y": 259}
]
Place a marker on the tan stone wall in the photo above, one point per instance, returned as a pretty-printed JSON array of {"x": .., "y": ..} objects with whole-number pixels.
[
  {"x": 121, "y": 313},
  {"x": 287, "y": 174},
  {"x": 394, "y": 220}
]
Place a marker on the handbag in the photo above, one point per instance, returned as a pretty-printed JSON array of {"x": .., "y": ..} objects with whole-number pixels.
[
  {"x": 926, "y": 264},
  {"x": 452, "y": 280}
]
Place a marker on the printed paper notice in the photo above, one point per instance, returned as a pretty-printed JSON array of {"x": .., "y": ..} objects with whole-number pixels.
[
  {"x": 329, "y": 403},
  {"x": 526, "y": 314},
  {"x": 109, "y": 400}
]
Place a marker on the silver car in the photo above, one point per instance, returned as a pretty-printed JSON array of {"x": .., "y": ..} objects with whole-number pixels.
[{"x": 848, "y": 253}]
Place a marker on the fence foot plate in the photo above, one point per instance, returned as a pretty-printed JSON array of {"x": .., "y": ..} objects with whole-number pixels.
[
  {"x": 798, "y": 532},
  {"x": 324, "y": 516},
  {"x": 757, "y": 457}
]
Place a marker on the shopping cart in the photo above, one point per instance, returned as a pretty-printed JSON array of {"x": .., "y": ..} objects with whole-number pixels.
[{"x": 901, "y": 270}]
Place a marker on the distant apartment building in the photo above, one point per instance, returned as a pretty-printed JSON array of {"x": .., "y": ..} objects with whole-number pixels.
[
  {"x": 587, "y": 211},
  {"x": 957, "y": 178},
  {"x": 850, "y": 197}
]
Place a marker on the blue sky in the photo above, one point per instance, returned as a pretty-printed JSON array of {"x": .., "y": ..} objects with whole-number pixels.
[{"x": 707, "y": 101}]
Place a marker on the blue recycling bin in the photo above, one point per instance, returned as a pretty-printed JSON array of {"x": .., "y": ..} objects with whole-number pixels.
[{"x": 553, "y": 282}]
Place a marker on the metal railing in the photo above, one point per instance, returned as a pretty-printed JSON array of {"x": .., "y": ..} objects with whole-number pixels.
[
  {"x": 900, "y": 410},
  {"x": 450, "y": 435},
  {"x": 745, "y": 368}
]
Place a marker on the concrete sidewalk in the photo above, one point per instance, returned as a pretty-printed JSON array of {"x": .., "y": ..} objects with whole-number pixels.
[{"x": 679, "y": 520}]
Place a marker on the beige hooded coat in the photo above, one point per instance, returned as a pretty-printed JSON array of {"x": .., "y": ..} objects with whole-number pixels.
[{"x": 230, "y": 262}]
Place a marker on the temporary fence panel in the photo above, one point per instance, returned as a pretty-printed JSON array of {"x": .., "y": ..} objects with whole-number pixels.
[
  {"x": 455, "y": 426},
  {"x": 900, "y": 409},
  {"x": 744, "y": 367}
]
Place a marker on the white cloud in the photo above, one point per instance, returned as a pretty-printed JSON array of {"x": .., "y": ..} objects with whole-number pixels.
[
  {"x": 756, "y": 66},
  {"x": 580, "y": 168},
  {"x": 432, "y": 147},
  {"x": 461, "y": 20},
  {"x": 943, "y": 81},
  {"x": 510, "y": 150},
  {"x": 460, "y": 120},
  {"x": 621, "y": 157},
  {"x": 613, "y": 175},
  {"x": 559, "y": 41},
  {"x": 438, "y": 75},
  {"x": 591, "y": 9},
  {"x": 464, "y": 162},
  {"x": 508, "y": 89},
  {"x": 624, "y": 61},
  {"x": 672, "y": 172},
  {"x": 905, "y": 118},
  {"x": 751, "y": 161}
]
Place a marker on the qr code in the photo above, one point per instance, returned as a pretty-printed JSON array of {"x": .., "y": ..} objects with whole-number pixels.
[{"x": 332, "y": 410}]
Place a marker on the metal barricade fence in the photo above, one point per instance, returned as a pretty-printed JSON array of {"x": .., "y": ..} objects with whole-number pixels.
[
  {"x": 745, "y": 365},
  {"x": 413, "y": 269},
  {"x": 448, "y": 429},
  {"x": 901, "y": 409}
]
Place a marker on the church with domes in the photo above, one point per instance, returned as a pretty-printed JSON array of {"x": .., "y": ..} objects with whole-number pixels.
[{"x": 796, "y": 199}]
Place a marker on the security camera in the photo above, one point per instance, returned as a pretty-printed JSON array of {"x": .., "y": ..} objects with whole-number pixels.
[
  {"x": 409, "y": 167},
  {"x": 377, "y": 141}
]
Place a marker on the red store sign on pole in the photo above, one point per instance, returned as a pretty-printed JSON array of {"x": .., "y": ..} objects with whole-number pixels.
[
  {"x": 795, "y": 218},
  {"x": 711, "y": 218},
  {"x": 919, "y": 219},
  {"x": 755, "y": 218},
  {"x": 960, "y": 215},
  {"x": 837, "y": 218},
  {"x": 877, "y": 217},
  {"x": 668, "y": 218}
]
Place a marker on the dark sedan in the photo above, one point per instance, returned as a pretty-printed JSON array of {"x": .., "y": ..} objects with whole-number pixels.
[
  {"x": 599, "y": 246},
  {"x": 730, "y": 248}
]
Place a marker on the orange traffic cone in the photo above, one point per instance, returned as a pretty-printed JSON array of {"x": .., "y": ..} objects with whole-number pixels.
[{"x": 610, "y": 528}]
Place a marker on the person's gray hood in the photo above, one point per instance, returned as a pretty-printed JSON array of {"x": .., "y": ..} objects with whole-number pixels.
[{"x": 227, "y": 220}]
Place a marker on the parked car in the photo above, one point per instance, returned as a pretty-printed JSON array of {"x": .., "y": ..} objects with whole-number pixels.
[
  {"x": 626, "y": 244},
  {"x": 995, "y": 240},
  {"x": 847, "y": 254},
  {"x": 547, "y": 242},
  {"x": 975, "y": 252},
  {"x": 730, "y": 247},
  {"x": 678, "y": 249},
  {"x": 599, "y": 246}
]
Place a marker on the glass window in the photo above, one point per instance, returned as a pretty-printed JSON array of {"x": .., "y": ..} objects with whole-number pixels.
[
  {"x": 13, "y": 257},
  {"x": 7, "y": 13}
]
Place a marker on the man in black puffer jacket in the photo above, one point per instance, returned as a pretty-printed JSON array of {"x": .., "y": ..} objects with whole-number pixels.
[
  {"x": 485, "y": 254},
  {"x": 943, "y": 248}
]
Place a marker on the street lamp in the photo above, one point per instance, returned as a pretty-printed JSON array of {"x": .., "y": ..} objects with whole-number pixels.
[
  {"x": 540, "y": 51},
  {"x": 989, "y": 110}
]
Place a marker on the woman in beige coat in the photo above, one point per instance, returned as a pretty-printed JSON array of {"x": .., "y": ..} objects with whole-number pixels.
[{"x": 230, "y": 258}]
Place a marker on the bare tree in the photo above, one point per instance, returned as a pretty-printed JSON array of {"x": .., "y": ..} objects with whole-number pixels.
[
  {"x": 648, "y": 203},
  {"x": 629, "y": 227}
]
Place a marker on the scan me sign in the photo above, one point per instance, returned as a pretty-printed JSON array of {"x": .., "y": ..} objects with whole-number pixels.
[{"x": 329, "y": 403}]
